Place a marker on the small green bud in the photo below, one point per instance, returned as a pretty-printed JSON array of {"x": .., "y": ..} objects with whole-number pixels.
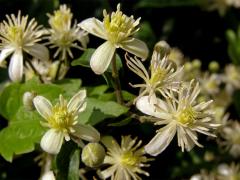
[
  {"x": 213, "y": 66},
  {"x": 196, "y": 64},
  {"x": 188, "y": 66},
  {"x": 93, "y": 154},
  {"x": 28, "y": 100}
]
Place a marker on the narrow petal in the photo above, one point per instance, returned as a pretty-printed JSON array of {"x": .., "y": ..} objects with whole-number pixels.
[
  {"x": 77, "y": 101},
  {"x": 43, "y": 106},
  {"x": 15, "y": 69},
  {"x": 86, "y": 132},
  {"x": 93, "y": 26},
  {"x": 5, "y": 53},
  {"x": 136, "y": 47},
  {"x": 51, "y": 141},
  {"x": 161, "y": 140},
  {"x": 102, "y": 57},
  {"x": 38, "y": 51}
]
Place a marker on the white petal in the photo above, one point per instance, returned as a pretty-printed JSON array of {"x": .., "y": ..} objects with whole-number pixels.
[
  {"x": 5, "y": 53},
  {"x": 77, "y": 101},
  {"x": 147, "y": 106},
  {"x": 51, "y": 141},
  {"x": 48, "y": 176},
  {"x": 136, "y": 47},
  {"x": 86, "y": 132},
  {"x": 161, "y": 140},
  {"x": 102, "y": 57},
  {"x": 38, "y": 51},
  {"x": 15, "y": 69},
  {"x": 108, "y": 172},
  {"x": 43, "y": 106},
  {"x": 93, "y": 26}
]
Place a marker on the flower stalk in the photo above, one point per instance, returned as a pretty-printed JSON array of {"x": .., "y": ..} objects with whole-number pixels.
[{"x": 117, "y": 84}]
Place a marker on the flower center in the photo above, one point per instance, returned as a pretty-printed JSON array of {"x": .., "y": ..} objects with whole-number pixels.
[
  {"x": 61, "y": 20},
  {"x": 15, "y": 34},
  {"x": 118, "y": 26},
  {"x": 128, "y": 159},
  {"x": 186, "y": 116},
  {"x": 61, "y": 119},
  {"x": 157, "y": 75}
]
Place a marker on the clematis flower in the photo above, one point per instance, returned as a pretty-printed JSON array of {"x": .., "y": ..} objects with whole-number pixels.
[
  {"x": 62, "y": 121},
  {"x": 117, "y": 30},
  {"x": 63, "y": 35},
  {"x": 164, "y": 74},
  {"x": 231, "y": 135},
  {"x": 17, "y": 36},
  {"x": 181, "y": 115},
  {"x": 126, "y": 161}
]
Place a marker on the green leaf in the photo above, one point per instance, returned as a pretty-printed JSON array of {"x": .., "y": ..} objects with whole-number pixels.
[
  {"x": 63, "y": 159},
  {"x": 84, "y": 59},
  {"x": 73, "y": 169},
  {"x": 98, "y": 110},
  {"x": 20, "y": 136},
  {"x": 11, "y": 97},
  {"x": 70, "y": 86},
  {"x": 97, "y": 91},
  {"x": 123, "y": 122}
]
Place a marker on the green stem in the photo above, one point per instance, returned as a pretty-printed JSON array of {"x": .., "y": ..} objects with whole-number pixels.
[
  {"x": 117, "y": 84},
  {"x": 58, "y": 70}
]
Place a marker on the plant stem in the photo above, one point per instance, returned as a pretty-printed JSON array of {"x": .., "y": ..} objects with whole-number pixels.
[
  {"x": 58, "y": 70},
  {"x": 35, "y": 71},
  {"x": 117, "y": 84}
]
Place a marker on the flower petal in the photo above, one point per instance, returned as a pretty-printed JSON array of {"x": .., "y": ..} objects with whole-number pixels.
[
  {"x": 146, "y": 105},
  {"x": 4, "y": 54},
  {"x": 161, "y": 140},
  {"x": 43, "y": 106},
  {"x": 86, "y": 132},
  {"x": 77, "y": 101},
  {"x": 93, "y": 26},
  {"x": 48, "y": 176},
  {"x": 136, "y": 47},
  {"x": 15, "y": 69},
  {"x": 51, "y": 141},
  {"x": 38, "y": 51},
  {"x": 102, "y": 57}
]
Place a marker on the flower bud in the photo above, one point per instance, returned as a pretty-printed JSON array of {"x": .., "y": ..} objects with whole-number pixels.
[
  {"x": 213, "y": 66},
  {"x": 93, "y": 154},
  {"x": 196, "y": 64},
  {"x": 28, "y": 100},
  {"x": 162, "y": 48}
]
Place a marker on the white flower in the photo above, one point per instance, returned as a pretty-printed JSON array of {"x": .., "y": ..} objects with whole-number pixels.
[
  {"x": 62, "y": 121},
  {"x": 164, "y": 74},
  {"x": 229, "y": 172},
  {"x": 210, "y": 84},
  {"x": 47, "y": 70},
  {"x": 126, "y": 161},
  {"x": 232, "y": 78},
  {"x": 17, "y": 36},
  {"x": 116, "y": 29},
  {"x": 231, "y": 135},
  {"x": 63, "y": 35},
  {"x": 181, "y": 115}
]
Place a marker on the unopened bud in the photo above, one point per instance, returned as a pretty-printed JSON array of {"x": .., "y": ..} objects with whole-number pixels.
[
  {"x": 213, "y": 66},
  {"x": 28, "y": 100},
  {"x": 196, "y": 64},
  {"x": 93, "y": 154},
  {"x": 162, "y": 48}
]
